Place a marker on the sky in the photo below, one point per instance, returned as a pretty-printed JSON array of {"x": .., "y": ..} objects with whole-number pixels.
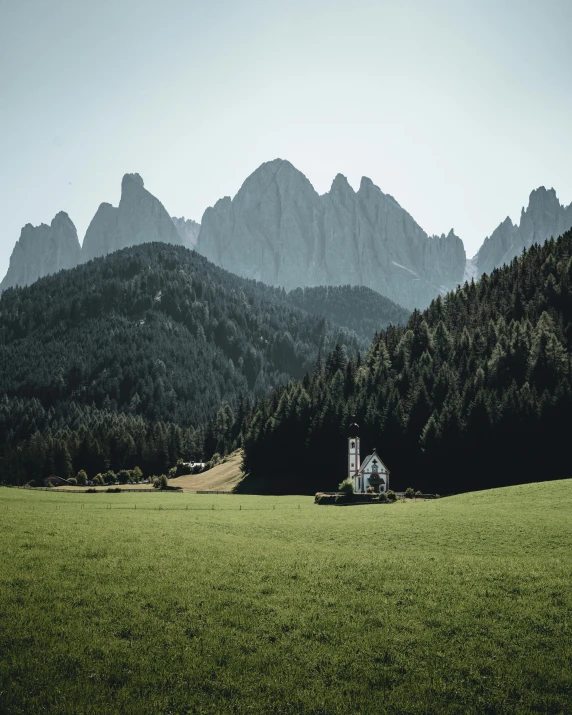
[{"x": 456, "y": 108}]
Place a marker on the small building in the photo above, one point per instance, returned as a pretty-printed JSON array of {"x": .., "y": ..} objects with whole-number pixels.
[{"x": 372, "y": 472}]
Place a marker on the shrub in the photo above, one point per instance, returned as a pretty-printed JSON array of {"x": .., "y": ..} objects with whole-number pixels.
[
  {"x": 323, "y": 498},
  {"x": 370, "y": 490},
  {"x": 347, "y": 486},
  {"x": 113, "y": 490},
  {"x": 179, "y": 470},
  {"x": 98, "y": 479},
  {"x": 123, "y": 476},
  {"x": 109, "y": 477},
  {"x": 410, "y": 492},
  {"x": 383, "y": 498},
  {"x": 91, "y": 490},
  {"x": 391, "y": 495},
  {"x": 81, "y": 477},
  {"x": 50, "y": 484},
  {"x": 32, "y": 483},
  {"x": 418, "y": 493},
  {"x": 72, "y": 481},
  {"x": 161, "y": 482}
]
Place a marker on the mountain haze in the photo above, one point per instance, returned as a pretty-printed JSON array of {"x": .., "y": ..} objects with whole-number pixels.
[
  {"x": 354, "y": 307},
  {"x": 188, "y": 230}
]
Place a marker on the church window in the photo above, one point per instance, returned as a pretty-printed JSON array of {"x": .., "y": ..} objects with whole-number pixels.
[{"x": 353, "y": 445}]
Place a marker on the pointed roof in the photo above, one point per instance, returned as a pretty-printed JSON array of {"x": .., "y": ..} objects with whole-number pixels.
[{"x": 369, "y": 459}]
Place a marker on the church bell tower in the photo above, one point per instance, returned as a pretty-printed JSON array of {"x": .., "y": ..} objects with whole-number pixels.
[{"x": 353, "y": 452}]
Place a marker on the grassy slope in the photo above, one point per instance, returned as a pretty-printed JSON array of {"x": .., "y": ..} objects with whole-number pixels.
[
  {"x": 459, "y": 605},
  {"x": 224, "y": 477}
]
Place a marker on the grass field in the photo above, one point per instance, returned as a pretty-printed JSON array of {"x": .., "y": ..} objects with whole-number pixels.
[{"x": 158, "y": 603}]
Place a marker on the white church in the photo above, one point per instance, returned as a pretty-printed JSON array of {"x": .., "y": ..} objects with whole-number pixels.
[{"x": 371, "y": 473}]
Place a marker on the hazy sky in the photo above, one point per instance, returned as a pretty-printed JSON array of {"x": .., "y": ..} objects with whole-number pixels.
[{"x": 456, "y": 108}]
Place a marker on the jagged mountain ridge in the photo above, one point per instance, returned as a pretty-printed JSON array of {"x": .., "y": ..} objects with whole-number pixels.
[
  {"x": 188, "y": 230},
  {"x": 545, "y": 217},
  {"x": 139, "y": 218},
  {"x": 279, "y": 230},
  {"x": 41, "y": 250}
]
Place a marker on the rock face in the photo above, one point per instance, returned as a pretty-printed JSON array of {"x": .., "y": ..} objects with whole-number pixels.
[
  {"x": 279, "y": 230},
  {"x": 188, "y": 230},
  {"x": 42, "y": 250},
  {"x": 544, "y": 218},
  {"x": 139, "y": 218}
]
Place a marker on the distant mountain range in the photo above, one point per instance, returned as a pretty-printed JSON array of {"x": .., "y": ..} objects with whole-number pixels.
[{"x": 279, "y": 230}]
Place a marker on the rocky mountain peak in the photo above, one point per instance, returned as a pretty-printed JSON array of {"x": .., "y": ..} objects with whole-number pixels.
[
  {"x": 277, "y": 229},
  {"x": 188, "y": 230},
  {"x": 544, "y": 217},
  {"x": 366, "y": 185},
  {"x": 278, "y": 175},
  {"x": 130, "y": 180},
  {"x": 42, "y": 250},
  {"x": 139, "y": 218},
  {"x": 340, "y": 183},
  {"x": 543, "y": 205},
  {"x": 62, "y": 219}
]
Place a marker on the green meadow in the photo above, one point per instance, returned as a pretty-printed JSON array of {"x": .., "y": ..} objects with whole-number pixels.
[{"x": 184, "y": 603}]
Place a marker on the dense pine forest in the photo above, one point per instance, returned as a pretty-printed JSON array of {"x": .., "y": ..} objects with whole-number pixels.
[
  {"x": 474, "y": 392},
  {"x": 153, "y": 354},
  {"x": 358, "y": 308},
  {"x": 146, "y": 356}
]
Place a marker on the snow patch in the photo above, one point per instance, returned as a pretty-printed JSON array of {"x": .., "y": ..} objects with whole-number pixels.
[{"x": 405, "y": 268}]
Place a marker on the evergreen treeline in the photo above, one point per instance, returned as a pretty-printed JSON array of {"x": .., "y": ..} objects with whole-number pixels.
[
  {"x": 134, "y": 356},
  {"x": 474, "y": 392},
  {"x": 358, "y": 308}
]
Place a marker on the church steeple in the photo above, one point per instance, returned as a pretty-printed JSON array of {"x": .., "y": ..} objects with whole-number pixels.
[{"x": 353, "y": 451}]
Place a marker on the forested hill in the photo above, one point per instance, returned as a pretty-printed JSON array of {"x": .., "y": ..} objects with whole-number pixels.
[
  {"x": 150, "y": 334},
  {"x": 474, "y": 392},
  {"x": 355, "y": 307}
]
